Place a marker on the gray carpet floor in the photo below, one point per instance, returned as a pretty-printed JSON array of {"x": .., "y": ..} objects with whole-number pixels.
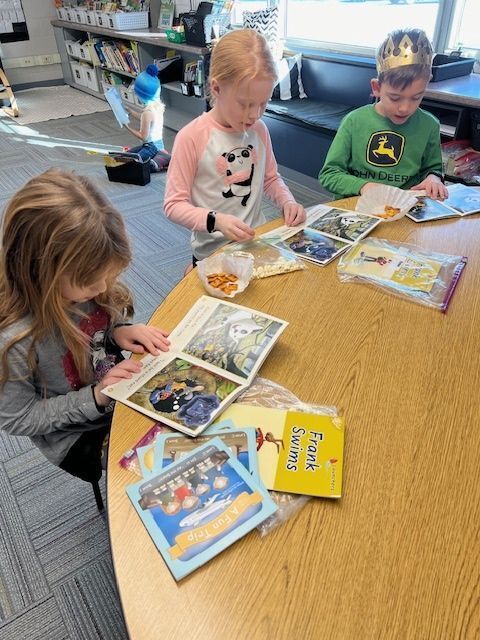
[{"x": 56, "y": 576}]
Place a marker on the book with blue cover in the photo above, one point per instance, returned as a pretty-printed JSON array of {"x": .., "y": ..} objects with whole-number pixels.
[
  {"x": 115, "y": 101},
  {"x": 190, "y": 527}
]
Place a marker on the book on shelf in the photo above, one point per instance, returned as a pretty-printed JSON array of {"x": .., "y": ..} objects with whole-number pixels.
[
  {"x": 200, "y": 505},
  {"x": 298, "y": 452},
  {"x": 462, "y": 200},
  {"x": 215, "y": 352},
  {"x": 326, "y": 233}
]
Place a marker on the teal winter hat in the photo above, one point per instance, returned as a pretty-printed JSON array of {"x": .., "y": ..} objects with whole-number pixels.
[{"x": 147, "y": 84}]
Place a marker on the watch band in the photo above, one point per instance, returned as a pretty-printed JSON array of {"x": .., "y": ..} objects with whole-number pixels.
[{"x": 211, "y": 218}]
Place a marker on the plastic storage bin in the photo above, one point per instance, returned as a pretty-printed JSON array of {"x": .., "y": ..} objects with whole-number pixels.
[
  {"x": 445, "y": 67},
  {"x": 84, "y": 52},
  {"x": 78, "y": 73},
  {"x": 90, "y": 17},
  {"x": 130, "y": 173},
  {"x": 131, "y": 20},
  {"x": 91, "y": 80}
]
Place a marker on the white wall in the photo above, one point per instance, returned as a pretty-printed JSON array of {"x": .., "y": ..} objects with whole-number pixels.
[{"x": 38, "y": 14}]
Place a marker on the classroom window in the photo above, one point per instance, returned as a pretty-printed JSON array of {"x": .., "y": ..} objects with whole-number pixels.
[{"x": 465, "y": 31}]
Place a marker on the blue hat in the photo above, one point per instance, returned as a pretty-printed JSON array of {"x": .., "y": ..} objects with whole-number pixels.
[{"x": 147, "y": 84}]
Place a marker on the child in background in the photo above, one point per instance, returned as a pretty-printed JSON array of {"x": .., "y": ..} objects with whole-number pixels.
[
  {"x": 393, "y": 141},
  {"x": 222, "y": 162},
  {"x": 63, "y": 319},
  {"x": 147, "y": 89}
]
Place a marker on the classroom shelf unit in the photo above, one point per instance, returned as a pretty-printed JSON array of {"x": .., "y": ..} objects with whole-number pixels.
[{"x": 84, "y": 69}]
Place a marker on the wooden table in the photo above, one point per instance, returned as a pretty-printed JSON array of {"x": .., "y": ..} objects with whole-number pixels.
[{"x": 398, "y": 556}]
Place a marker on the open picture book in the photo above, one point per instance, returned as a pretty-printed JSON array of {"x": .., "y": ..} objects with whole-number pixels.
[
  {"x": 115, "y": 101},
  {"x": 462, "y": 201},
  {"x": 215, "y": 352},
  {"x": 326, "y": 233}
]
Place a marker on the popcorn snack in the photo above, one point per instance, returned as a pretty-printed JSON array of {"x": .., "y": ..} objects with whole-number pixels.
[{"x": 226, "y": 282}]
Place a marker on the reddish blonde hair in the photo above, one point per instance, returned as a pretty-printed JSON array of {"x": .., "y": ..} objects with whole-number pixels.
[{"x": 239, "y": 55}]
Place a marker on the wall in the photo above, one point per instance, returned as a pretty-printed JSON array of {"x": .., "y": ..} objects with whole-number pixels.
[{"x": 38, "y": 14}]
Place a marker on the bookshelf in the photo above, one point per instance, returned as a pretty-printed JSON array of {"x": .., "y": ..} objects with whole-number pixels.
[{"x": 84, "y": 67}]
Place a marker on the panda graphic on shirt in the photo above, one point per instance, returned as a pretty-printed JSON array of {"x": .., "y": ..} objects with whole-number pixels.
[{"x": 237, "y": 166}]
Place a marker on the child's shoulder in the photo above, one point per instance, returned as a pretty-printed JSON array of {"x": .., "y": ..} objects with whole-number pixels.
[{"x": 15, "y": 329}]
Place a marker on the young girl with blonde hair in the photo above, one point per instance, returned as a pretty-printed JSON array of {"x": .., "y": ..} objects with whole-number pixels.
[
  {"x": 63, "y": 318},
  {"x": 222, "y": 162}
]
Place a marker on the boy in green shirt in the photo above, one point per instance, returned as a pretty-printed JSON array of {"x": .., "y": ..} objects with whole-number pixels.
[{"x": 393, "y": 141}]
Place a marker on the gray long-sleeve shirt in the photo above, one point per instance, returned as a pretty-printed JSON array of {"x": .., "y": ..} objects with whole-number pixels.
[{"x": 56, "y": 420}]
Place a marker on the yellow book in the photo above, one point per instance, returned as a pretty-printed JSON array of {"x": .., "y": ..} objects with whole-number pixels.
[{"x": 297, "y": 452}]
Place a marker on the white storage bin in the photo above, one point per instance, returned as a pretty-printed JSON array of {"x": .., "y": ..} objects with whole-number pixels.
[
  {"x": 73, "y": 48},
  {"x": 62, "y": 13},
  {"x": 84, "y": 52},
  {"x": 80, "y": 15},
  {"x": 70, "y": 14},
  {"x": 79, "y": 76},
  {"x": 127, "y": 94},
  {"x": 91, "y": 78},
  {"x": 91, "y": 18},
  {"x": 101, "y": 19},
  {"x": 131, "y": 20}
]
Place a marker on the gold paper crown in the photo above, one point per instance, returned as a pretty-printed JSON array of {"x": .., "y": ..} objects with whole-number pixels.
[{"x": 405, "y": 53}]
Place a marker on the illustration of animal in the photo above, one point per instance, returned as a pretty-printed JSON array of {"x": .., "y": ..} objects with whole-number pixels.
[{"x": 383, "y": 150}]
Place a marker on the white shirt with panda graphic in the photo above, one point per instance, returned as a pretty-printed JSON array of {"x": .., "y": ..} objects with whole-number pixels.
[{"x": 213, "y": 168}]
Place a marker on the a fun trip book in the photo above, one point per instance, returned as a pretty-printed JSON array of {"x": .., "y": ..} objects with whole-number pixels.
[
  {"x": 297, "y": 452},
  {"x": 326, "y": 233},
  {"x": 115, "y": 101},
  {"x": 190, "y": 526},
  {"x": 462, "y": 201},
  {"x": 215, "y": 352},
  {"x": 171, "y": 447}
]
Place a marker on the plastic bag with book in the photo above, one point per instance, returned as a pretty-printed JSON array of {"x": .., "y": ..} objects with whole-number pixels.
[
  {"x": 403, "y": 269},
  {"x": 269, "y": 260},
  {"x": 265, "y": 393}
]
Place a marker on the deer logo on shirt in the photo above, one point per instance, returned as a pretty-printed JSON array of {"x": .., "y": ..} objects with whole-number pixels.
[
  {"x": 238, "y": 166},
  {"x": 385, "y": 148}
]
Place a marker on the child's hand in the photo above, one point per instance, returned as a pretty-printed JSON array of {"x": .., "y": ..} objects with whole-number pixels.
[
  {"x": 122, "y": 371},
  {"x": 294, "y": 214},
  {"x": 138, "y": 337},
  {"x": 433, "y": 186},
  {"x": 233, "y": 228},
  {"x": 367, "y": 186}
]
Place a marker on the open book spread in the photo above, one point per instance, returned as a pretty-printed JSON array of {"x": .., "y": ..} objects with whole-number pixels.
[
  {"x": 215, "y": 353},
  {"x": 297, "y": 452},
  {"x": 326, "y": 233},
  {"x": 115, "y": 101},
  {"x": 462, "y": 201},
  {"x": 199, "y": 505}
]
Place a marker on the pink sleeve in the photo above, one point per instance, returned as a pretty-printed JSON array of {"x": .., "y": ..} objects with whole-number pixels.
[
  {"x": 180, "y": 177},
  {"x": 273, "y": 185}
]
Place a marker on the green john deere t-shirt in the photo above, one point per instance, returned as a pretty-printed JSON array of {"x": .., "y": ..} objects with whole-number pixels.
[{"x": 370, "y": 148}]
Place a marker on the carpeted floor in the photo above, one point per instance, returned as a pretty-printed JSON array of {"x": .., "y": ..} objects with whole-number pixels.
[
  {"x": 56, "y": 578},
  {"x": 49, "y": 103}
]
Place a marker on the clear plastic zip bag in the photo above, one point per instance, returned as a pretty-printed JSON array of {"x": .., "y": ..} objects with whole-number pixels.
[
  {"x": 405, "y": 270},
  {"x": 269, "y": 260},
  {"x": 265, "y": 393}
]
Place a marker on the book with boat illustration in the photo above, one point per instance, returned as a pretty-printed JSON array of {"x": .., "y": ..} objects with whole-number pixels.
[
  {"x": 326, "y": 233},
  {"x": 298, "y": 452},
  {"x": 190, "y": 526},
  {"x": 462, "y": 201},
  {"x": 215, "y": 352}
]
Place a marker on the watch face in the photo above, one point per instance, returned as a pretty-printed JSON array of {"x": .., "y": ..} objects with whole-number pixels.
[{"x": 210, "y": 221}]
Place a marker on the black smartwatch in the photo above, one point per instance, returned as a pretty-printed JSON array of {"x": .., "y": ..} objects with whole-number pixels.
[{"x": 211, "y": 216}]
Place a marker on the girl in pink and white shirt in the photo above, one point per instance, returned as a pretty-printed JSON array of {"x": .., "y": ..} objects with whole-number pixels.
[{"x": 222, "y": 162}]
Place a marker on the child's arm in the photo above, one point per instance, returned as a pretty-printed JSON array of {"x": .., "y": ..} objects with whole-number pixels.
[
  {"x": 178, "y": 205},
  {"x": 432, "y": 168},
  {"x": 334, "y": 175},
  {"x": 146, "y": 120},
  {"x": 275, "y": 188}
]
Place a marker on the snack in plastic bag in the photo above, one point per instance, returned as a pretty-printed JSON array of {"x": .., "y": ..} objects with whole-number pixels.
[
  {"x": 224, "y": 275},
  {"x": 265, "y": 393},
  {"x": 268, "y": 259},
  {"x": 386, "y": 202},
  {"x": 404, "y": 270}
]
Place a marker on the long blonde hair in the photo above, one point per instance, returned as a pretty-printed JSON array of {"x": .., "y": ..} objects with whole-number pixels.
[
  {"x": 59, "y": 225},
  {"x": 239, "y": 55}
]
